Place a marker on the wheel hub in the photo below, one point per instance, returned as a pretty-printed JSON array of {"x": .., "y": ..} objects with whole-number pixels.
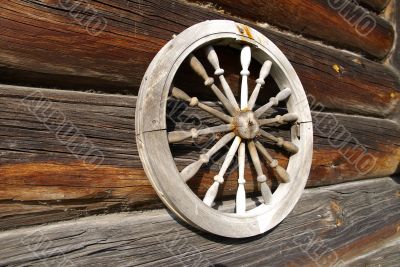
[{"x": 246, "y": 125}]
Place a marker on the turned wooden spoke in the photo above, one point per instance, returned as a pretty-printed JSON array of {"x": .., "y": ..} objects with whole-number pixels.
[
  {"x": 245, "y": 59},
  {"x": 194, "y": 101},
  {"x": 241, "y": 193},
  {"x": 280, "y": 119},
  {"x": 219, "y": 178},
  {"x": 261, "y": 177},
  {"x": 288, "y": 146},
  {"x": 279, "y": 171},
  {"x": 274, "y": 101},
  {"x": 214, "y": 61},
  {"x": 191, "y": 170},
  {"x": 265, "y": 70},
  {"x": 178, "y": 136},
  {"x": 209, "y": 82}
]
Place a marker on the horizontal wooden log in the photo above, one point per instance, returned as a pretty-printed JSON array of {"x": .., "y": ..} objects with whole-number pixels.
[
  {"x": 50, "y": 169},
  {"x": 341, "y": 23},
  {"x": 375, "y": 5},
  {"x": 51, "y": 44},
  {"x": 385, "y": 255},
  {"x": 393, "y": 14},
  {"x": 348, "y": 225}
]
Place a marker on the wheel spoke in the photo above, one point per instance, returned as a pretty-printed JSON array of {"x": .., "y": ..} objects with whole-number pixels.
[
  {"x": 261, "y": 177},
  {"x": 214, "y": 61},
  {"x": 194, "y": 101},
  {"x": 288, "y": 146},
  {"x": 209, "y": 82},
  {"x": 241, "y": 193},
  {"x": 265, "y": 70},
  {"x": 279, "y": 171},
  {"x": 274, "y": 101},
  {"x": 245, "y": 59},
  {"x": 219, "y": 178},
  {"x": 178, "y": 136},
  {"x": 191, "y": 170},
  {"x": 287, "y": 118}
]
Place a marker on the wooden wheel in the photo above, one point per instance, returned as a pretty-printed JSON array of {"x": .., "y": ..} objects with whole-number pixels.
[{"x": 241, "y": 127}]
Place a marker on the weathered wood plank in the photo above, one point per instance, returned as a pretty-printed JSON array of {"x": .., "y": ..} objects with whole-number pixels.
[
  {"x": 393, "y": 14},
  {"x": 46, "y": 45},
  {"x": 349, "y": 223},
  {"x": 41, "y": 180},
  {"x": 386, "y": 254},
  {"x": 341, "y": 23},
  {"x": 375, "y": 5}
]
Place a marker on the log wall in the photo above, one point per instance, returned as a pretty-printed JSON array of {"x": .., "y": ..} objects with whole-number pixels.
[
  {"x": 62, "y": 77},
  {"x": 341, "y": 23},
  {"x": 38, "y": 169},
  {"x": 352, "y": 225},
  {"x": 51, "y": 49}
]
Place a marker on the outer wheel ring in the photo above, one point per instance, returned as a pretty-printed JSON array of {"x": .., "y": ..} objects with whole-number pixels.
[{"x": 154, "y": 148}]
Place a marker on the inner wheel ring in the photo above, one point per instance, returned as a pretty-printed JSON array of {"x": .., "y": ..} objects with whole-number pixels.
[{"x": 153, "y": 143}]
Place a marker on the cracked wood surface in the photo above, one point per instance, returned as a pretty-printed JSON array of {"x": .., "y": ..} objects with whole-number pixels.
[{"x": 354, "y": 224}]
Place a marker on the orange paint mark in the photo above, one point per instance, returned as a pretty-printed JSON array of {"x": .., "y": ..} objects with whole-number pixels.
[
  {"x": 339, "y": 222},
  {"x": 335, "y": 207},
  {"x": 245, "y": 30},
  {"x": 248, "y": 32},
  {"x": 336, "y": 68}
]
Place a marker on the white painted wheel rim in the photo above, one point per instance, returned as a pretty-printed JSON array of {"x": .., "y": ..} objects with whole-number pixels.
[{"x": 154, "y": 148}]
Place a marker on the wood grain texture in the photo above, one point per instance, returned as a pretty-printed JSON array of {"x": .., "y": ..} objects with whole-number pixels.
[
  {"x": 393, "y": 15},
  {"x": 42, "y": 181},
  {"x": 351, "y": 224},
  {"x": 385, "y": 255},
  {"x": 339, "y": 23},
  {"x": 44, "y": 45},
  {"x": 375, "y": 5}
]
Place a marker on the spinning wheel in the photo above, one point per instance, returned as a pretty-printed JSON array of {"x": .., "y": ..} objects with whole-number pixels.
[{"x": 241, "y": 128}]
